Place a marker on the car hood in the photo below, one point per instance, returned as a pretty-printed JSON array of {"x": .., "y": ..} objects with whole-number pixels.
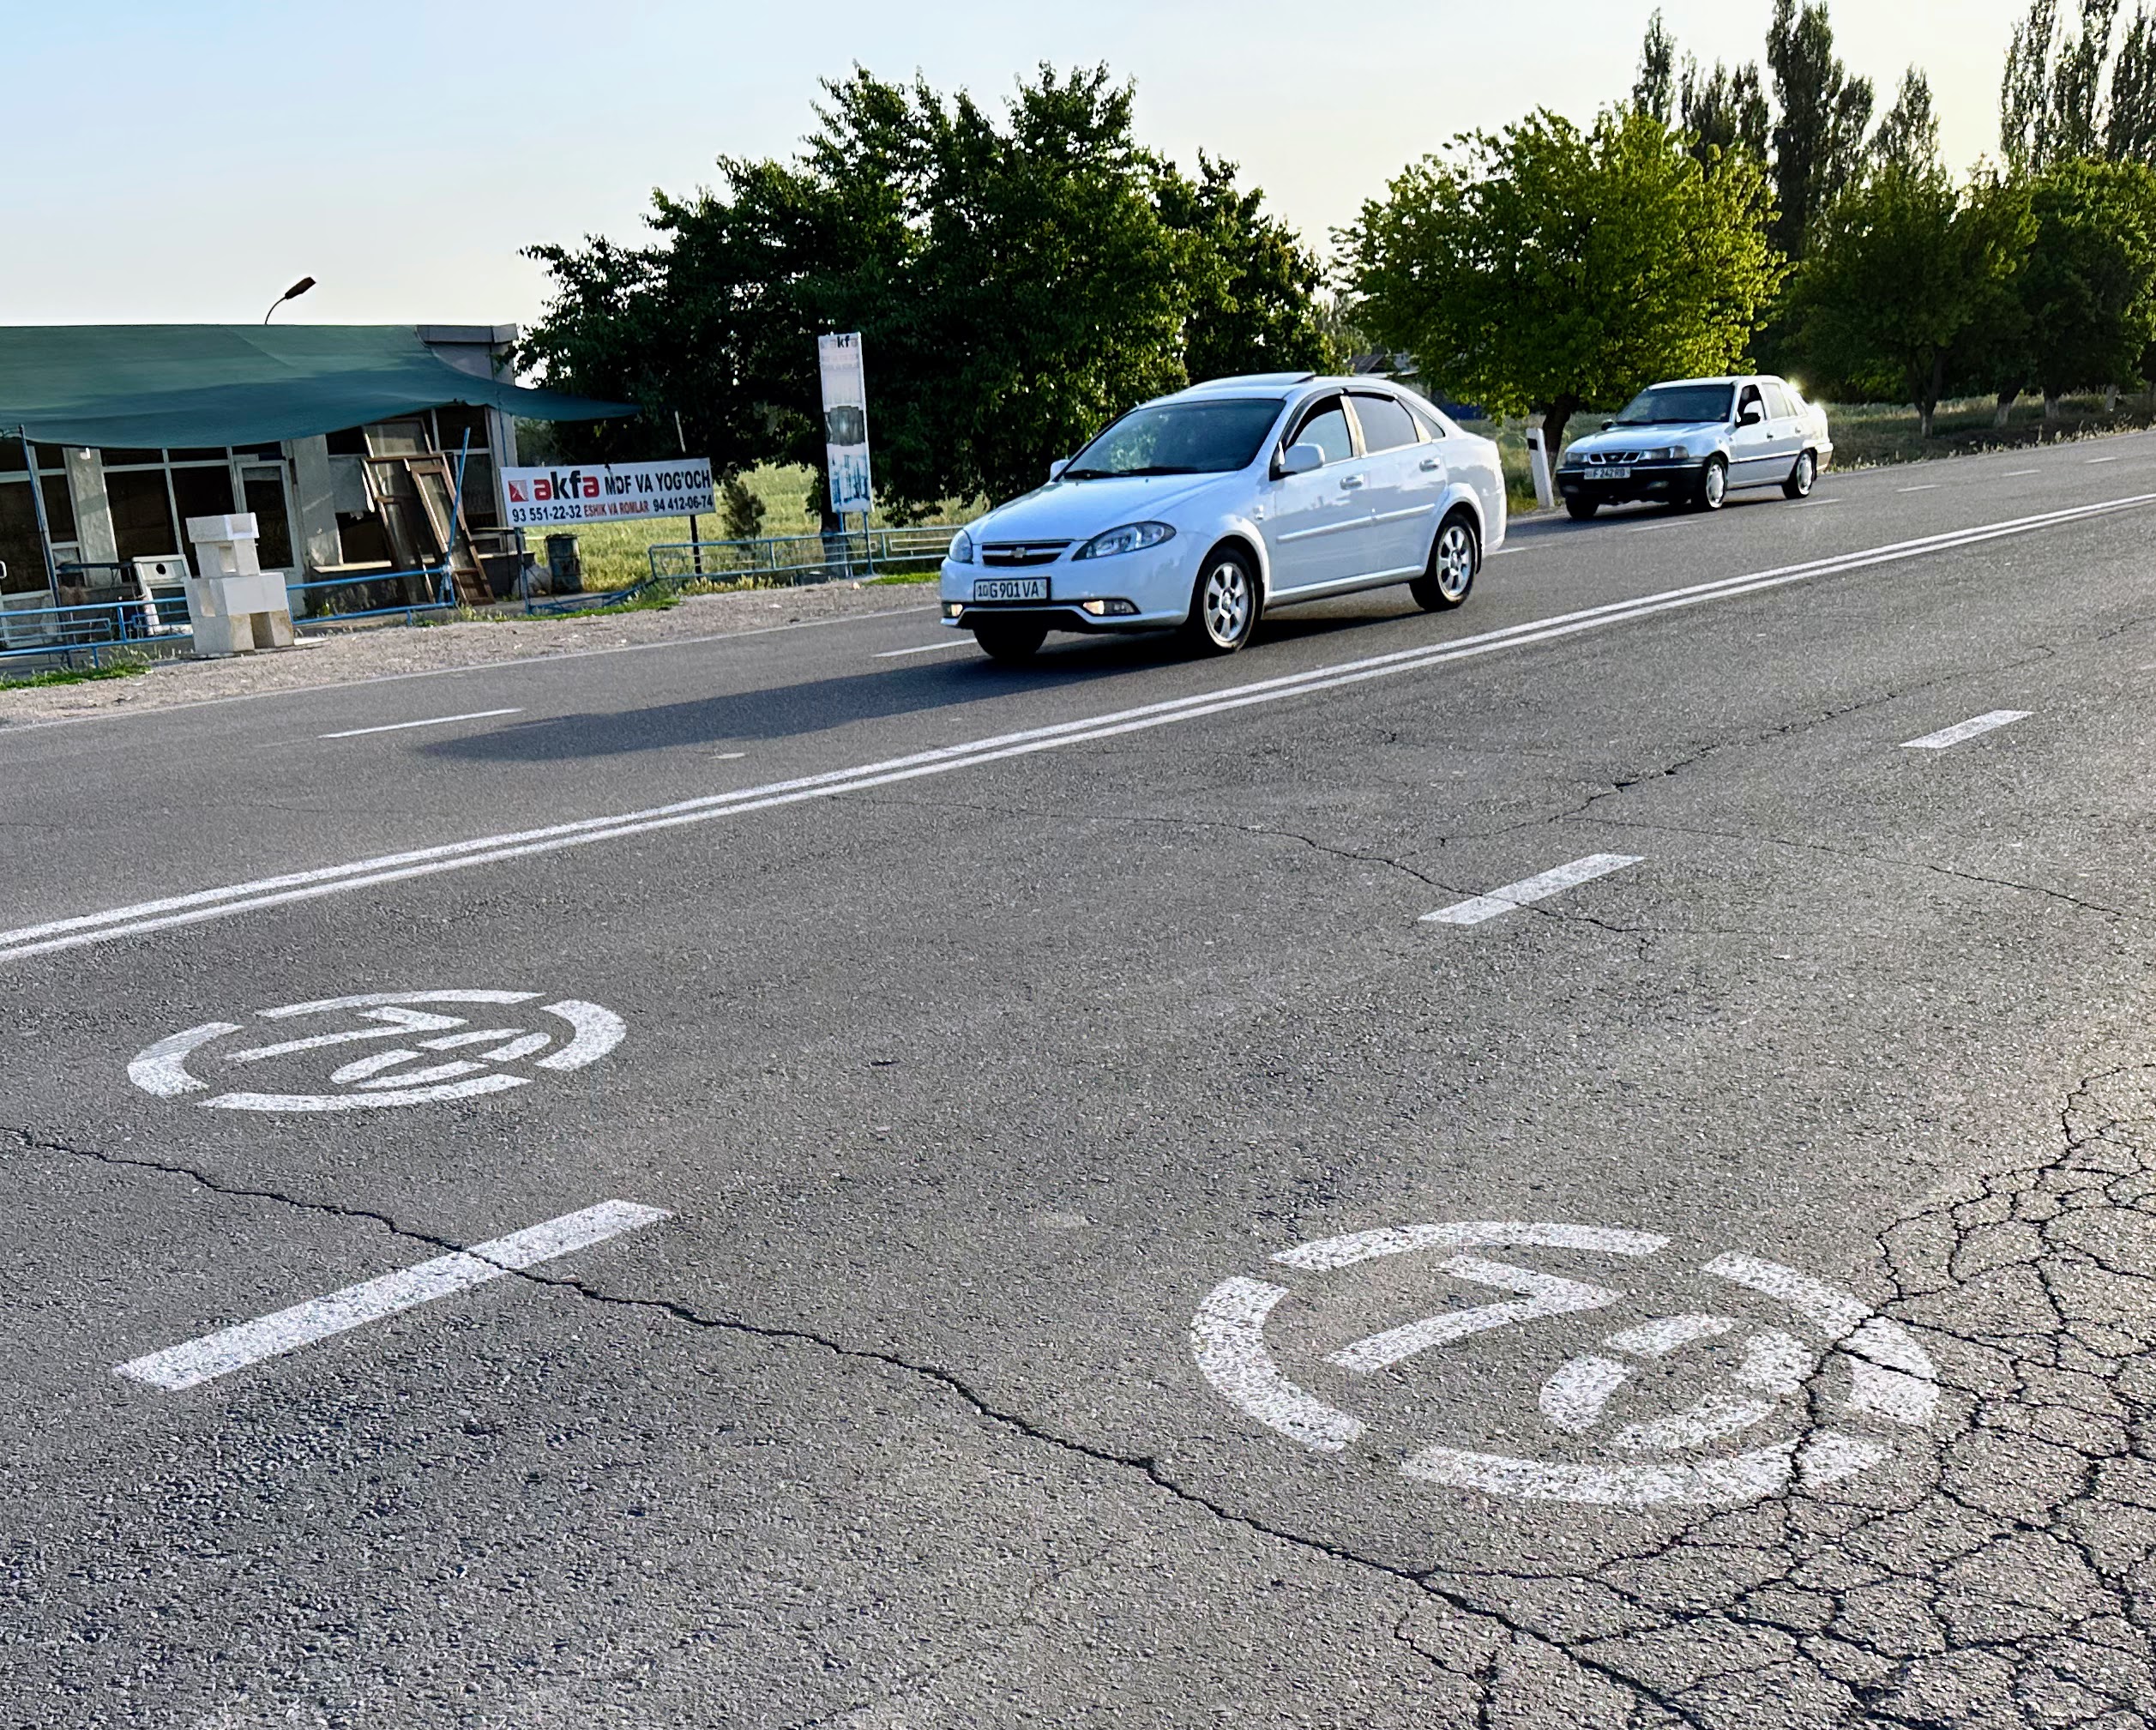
[
  {"x": 1623, "y": 438},
  {"x": 1079, "y": 509}
]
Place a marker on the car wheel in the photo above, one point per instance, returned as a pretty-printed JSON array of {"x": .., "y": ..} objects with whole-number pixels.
[
  {"x": 1582, "y": 509},
  {"x": 1453, "y": 564},
  {"x": 1712, "y": 487},
  {"x": 1799, "y": 484},
  {"x": 1224, "y": 603},
  {"x": 1010, "y": 640}
]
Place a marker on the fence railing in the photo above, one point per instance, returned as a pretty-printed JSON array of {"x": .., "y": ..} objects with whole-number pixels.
[
  {"x": 93, "y": 631},
  {"x": 380, "y": 593},
  {"x": 804, "y": 558}
]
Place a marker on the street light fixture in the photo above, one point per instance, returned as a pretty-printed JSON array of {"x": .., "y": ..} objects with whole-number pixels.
[{"x": 294, "y": 293}]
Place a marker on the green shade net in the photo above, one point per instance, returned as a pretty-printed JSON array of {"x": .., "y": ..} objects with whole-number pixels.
[{"x": 151, "y": 386}]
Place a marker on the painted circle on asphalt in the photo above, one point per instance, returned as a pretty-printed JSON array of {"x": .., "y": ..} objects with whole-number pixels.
[
  {"x": 383, "y": 1049},
  {"x": 1820, "y": 1394}
]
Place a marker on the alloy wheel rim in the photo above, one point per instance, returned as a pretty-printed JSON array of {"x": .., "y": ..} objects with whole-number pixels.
[
  {"x": 1227, "y": 603},
  {"x": 1806, "y": 471},
  {"x": 1716, "y": 483},
  {"x": 1456, "y": 563}
]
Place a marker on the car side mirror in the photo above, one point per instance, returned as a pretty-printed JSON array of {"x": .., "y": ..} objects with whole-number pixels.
[
  {"x": 1301, "y": 459},
  {"x": 1751, "y": 415},
  {"x": 1607, "y": 424},
  {"x": 1055, "y": 469}
]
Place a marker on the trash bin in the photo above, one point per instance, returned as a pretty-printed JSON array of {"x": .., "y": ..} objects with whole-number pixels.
[{"x": 563, "y": 566}]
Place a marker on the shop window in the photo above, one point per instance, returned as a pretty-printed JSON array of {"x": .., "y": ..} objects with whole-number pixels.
[
  {"x": 266, "y": 498},
  {"x": 10, "y": 456},
  {"x": 202, "y": 455},
  {"x": 142, "y": 520},
  {"x": 352, "y": 442},
  {"x": 201, "y": 493},
  {"x": 120, "y": 459},
  {"x": 59, "y": 506},
  {"x": 19, "y": 548}
]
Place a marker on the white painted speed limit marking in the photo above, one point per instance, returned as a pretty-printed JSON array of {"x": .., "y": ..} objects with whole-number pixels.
[
  {"x": 1872, "y": 1369},
  {"x": 453, "y": 1061},
  {"x": 220, "y": 1353}
]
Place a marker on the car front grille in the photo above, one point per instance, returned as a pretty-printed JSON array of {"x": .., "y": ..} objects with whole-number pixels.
[
  {"x": 1597, "y": 459},
  {"x": 1010, "y": 552}
]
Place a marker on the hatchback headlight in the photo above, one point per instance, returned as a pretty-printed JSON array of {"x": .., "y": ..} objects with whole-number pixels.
[
  {"x": 1130, "y": 538},
  {"x": 961, "y": 548}
]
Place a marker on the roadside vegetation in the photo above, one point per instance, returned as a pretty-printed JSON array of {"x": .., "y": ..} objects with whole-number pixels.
[
  {"x": 75, "y": 675},
  {"x": 1022, "y": 275}
]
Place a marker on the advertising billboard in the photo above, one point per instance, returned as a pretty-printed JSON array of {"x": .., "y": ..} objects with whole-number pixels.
[
  {"x": 605, "y": 491},
  {"x": 845, "y": 422}
]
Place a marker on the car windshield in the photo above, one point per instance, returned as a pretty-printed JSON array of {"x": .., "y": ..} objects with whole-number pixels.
[
  {"x": 1214, "y": 437},
  {"x": 1677, "y": 405}
]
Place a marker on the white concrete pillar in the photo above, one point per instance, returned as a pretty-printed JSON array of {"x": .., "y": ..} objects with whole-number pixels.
[{"x": 94, "y": 538}]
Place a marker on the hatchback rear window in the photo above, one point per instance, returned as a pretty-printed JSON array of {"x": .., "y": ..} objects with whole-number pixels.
[
  {"x": 1677, "y": 405},
  {"x": 1214, "y": 437}
]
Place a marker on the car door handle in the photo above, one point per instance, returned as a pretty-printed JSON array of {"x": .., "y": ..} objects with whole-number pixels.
[
  {"x": 1351, "y": 481},
  {"x": 1433, "y": 465}
]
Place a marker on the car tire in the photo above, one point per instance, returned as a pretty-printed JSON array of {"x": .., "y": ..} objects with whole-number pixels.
[
  {"x": 1710, "y": 490},
  {"x": 1011, "y": 641},
  {"x": 1582, "y": 510},
  {"x": 1802, "y": 478},
  {"x": 1455, "y": 557},
  {"x": 1224, "y": 602}
]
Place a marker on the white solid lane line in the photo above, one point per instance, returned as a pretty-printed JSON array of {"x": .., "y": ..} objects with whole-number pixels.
[
  {"x": 435, "y": 720},
  {"x": 233, "y": 1348},
  {"x": 1966, "y": 729},
  {"x": 926, "y": 648},
  {"x": 197, "y": 905},
  {"x": 1541, "y": 886}
]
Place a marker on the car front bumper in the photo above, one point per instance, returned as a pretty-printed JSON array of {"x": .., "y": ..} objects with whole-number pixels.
[
  {"x": 1647, "y": 481},
  {"x": 1156, "y": 584}
]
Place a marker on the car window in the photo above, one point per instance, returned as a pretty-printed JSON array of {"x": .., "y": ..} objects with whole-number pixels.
[
  {"x": 1386, "y": 426},
  {"x": 1778, "y": 406},
  {"x": 1325, "y": 427},
  {"x": 1749, "y": 399},
  {"x": 1677, "y": 405},
  {"x": 1213, "y": 435}
]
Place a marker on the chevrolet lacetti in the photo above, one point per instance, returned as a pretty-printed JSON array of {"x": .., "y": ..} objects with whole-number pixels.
[{"x": 1198, "y": 512}]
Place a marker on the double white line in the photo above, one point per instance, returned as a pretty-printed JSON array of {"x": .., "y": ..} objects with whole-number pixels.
[{"x": 329, "y": 880}]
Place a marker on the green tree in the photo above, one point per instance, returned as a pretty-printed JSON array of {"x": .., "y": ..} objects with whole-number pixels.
[
  {"x": 1908, "y": 137},
  {"x": 1905, "y": 272},
  {"x": 1255, "y": 288},
  {"x": 2129, "y": 125},
  {"x": 1546, "y": 269},
  {"x": 1724, "y": 110},
  {"x": 1018, "y": 278},
  {"x": 2025, "y": 91},
  {"x": 1654, "y": 90},
  {"x": 1823, "y": 114},
  {"x": 2089, "y": 289},
  {"x": 2075, "y": 129}
]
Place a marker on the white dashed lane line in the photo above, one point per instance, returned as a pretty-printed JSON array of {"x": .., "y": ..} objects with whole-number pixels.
[
  {"x": 1966, "y": 729},
  {"x": 2093, "y": 461},
  {"x": 2020, "y": 473},
  {"x": 216, "y": 1355},
  {"x": 433, "y": 720},
  {"x": 1513, "y": 897},
  {"x": 1928, "y": 486},
  {"x": 924, "y": 648}
]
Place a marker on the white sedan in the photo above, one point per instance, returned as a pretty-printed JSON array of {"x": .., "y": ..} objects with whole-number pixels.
[{"x": 1201, "y": 510}]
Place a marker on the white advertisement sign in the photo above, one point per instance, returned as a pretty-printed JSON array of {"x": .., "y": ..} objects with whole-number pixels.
[
  {"x": 846, "y": 421},
  {"x": 605, "y": 492}
]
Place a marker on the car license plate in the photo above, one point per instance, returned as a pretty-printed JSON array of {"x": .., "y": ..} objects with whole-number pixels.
[
  {"x": 1010, "y": 588},
  {"x": 1620, "y": 473}
]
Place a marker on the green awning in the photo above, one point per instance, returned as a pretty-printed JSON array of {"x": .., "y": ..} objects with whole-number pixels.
[{"x": 148, "y": 386}]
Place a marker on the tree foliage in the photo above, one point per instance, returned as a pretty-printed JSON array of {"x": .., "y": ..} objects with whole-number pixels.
[
  {"x": 1547, "y": 269},
  {"x": 1908, "y": 137},
  {"x": 1907, "y": 278},
  {"x": 1654, "y": 90},
  {"x": 2088, "y": 290},
  {"x": 1824, "y": 113},
  {"x": 2086, "y": 92},
  {"x": 1724, "y": 110},
  {"x": 1018, "y": 279}
]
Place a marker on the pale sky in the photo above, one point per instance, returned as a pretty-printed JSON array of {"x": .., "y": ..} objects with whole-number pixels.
[{"x": 175, "y": 161}]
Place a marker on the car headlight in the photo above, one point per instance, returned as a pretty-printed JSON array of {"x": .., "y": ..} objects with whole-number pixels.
[
  {"x": 961, "y": 548},
  {"x": 1130, "y": 538}
]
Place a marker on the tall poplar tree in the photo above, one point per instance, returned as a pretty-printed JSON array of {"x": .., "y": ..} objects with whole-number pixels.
[{"x": 1823, "y": 113}]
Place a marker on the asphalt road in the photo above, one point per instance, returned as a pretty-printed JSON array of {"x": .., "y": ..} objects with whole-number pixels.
[{"x": 971, "y": 1044}]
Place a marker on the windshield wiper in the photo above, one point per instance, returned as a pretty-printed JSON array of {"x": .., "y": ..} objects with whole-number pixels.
[{"x": 1122, "y": 473}]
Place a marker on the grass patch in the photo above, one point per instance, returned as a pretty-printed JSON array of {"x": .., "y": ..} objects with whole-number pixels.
[{"x": 76, "y": 675}]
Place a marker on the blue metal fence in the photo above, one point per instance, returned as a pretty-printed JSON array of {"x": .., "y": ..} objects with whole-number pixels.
[{"x": 95, "y": 632}]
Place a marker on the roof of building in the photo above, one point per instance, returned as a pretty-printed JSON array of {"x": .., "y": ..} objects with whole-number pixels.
[{"x": 147, "y": 386}]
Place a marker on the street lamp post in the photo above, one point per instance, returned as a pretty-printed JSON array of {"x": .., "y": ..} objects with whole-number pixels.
[{"x": 294, "y": 293}]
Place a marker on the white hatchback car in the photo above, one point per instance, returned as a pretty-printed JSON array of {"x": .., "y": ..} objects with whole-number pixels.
[{"x": 1201, "y": 510}]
